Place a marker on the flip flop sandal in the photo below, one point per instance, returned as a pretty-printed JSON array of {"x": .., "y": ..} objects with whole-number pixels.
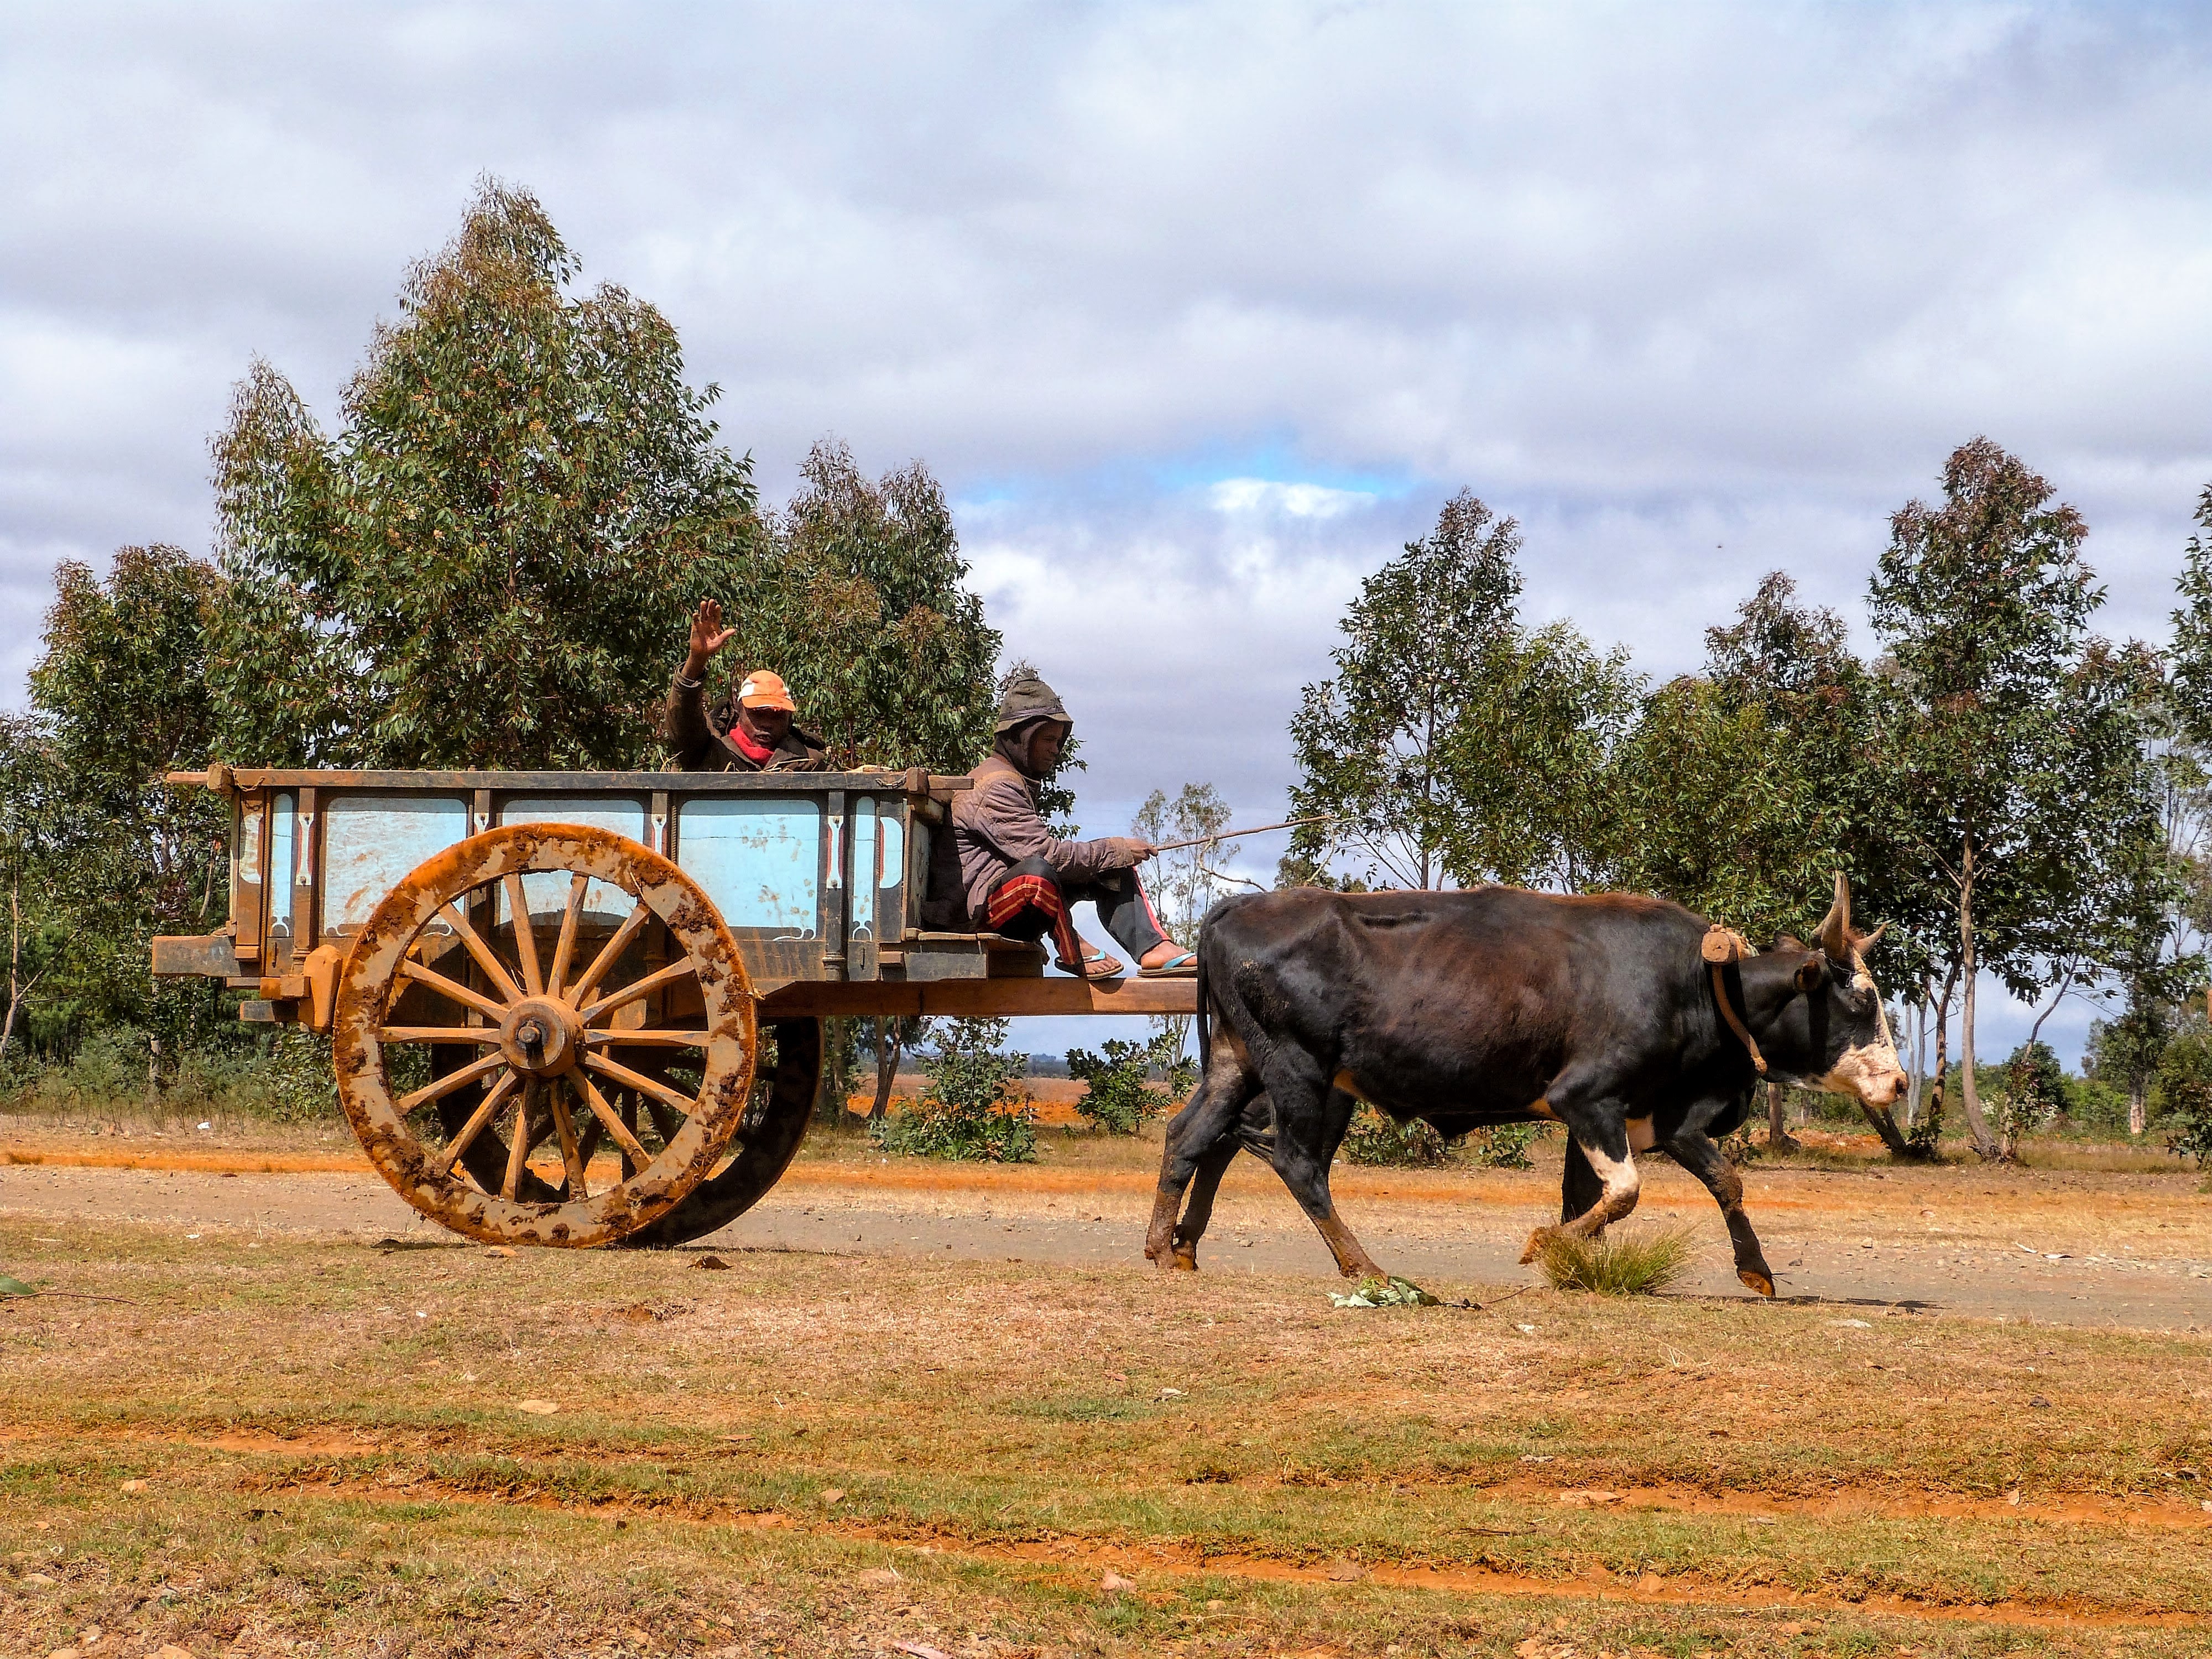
[
  {"x": 1097, "y": 965},
  {"x": 1183, "y": 967}
]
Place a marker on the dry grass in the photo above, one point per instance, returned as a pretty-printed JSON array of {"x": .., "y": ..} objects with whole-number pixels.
[
  {"x": 331, "y": 1452},
  {"x": 1628, "y": 1260}
]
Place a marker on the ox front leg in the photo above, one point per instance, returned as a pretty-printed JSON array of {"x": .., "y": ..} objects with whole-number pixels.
[
  {"x": 1696, "y": 1151},
  {"x": 1602, "y": 1138}
]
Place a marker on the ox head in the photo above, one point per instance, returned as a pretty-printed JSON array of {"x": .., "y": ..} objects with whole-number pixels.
[{"x": 1834, "y": 1035}]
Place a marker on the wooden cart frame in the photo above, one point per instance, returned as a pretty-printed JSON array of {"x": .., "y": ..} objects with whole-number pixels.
[{"x": 514, "y": 964}]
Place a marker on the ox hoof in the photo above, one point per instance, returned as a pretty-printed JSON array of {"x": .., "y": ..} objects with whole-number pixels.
[
  {"x": 1537, "y": 1240},
  {"x": 1757, "y": 1278}
]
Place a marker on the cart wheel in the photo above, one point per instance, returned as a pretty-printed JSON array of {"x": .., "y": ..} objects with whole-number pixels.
[
  {"x": 545, "y": 1072},
  {"x": 775, "y": 1124}
]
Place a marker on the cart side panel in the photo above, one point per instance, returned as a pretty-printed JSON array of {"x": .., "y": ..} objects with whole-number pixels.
[
  {"x": 280, "y": 865},
  {"x": 547, "y": 893},
  {"x": 371, "y": 841},
  {"x": 759, "y": 857}
]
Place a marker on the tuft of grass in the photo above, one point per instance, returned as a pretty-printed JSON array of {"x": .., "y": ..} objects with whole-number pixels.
[{"x": 1643, "y": 1263}]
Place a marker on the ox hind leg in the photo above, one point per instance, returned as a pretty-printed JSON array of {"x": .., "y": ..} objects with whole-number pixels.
[
  {"x": 1310, "y": 1118},
  {"x": 1696, "y": 1151},
  {"x": 1599, "y": 1132},
  {"x": 1202, "y": 1140}
]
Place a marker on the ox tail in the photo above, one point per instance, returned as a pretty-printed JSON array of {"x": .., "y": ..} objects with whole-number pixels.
[{"x": 1205, "y": 1018}]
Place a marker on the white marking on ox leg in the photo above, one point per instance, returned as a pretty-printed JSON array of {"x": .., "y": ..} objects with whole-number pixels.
[{"x": 1619, "y": 1198}]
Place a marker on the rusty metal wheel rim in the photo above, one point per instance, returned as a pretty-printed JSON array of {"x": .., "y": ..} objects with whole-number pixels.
[{"x": 543, "y": 1068}]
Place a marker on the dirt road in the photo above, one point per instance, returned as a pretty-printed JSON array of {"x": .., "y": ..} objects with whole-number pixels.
[{"x": 2084, "y": 1250}]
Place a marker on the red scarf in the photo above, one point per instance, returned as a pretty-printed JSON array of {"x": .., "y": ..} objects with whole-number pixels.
[{"x": 756, "y": 753}]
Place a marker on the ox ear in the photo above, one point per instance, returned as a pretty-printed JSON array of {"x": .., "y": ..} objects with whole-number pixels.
[
  {"x": 1811, "y": 972},
  {"x": 1835, "y": 934}
]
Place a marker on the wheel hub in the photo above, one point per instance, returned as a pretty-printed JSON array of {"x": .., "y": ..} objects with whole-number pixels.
[{"x": 541, "y": 1038}]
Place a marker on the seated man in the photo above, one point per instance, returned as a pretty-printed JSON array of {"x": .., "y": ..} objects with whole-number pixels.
[
  {"x": 1020, "y": 881},
  {"x": 748, "y": 731}
]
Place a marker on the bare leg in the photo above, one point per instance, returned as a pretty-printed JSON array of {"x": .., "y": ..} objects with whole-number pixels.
[{"x": 1696, "y": 1151}]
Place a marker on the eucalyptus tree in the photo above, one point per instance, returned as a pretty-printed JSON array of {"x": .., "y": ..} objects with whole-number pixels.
[
  {"x": 2016, "y": 741},
  {"x": 490, "y": 563},
  {"x": 1452, "y": 744}
]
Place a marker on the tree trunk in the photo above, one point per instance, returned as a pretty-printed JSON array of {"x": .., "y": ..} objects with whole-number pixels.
[
  {"x": 1779, "y": 1138},
  {"x": 1969, "y": 1094},
  {"x": 888, "y": 1041},
  {"x": 1919, "y": 1079},
  {"x": 2137, "y": 1116},
  {"x": 14, "y": 962}
]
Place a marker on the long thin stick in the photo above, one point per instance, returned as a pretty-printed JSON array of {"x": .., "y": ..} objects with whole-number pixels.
[{"x": 1256, "y": 829}]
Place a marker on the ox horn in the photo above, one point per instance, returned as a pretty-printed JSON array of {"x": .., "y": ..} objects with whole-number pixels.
[{"x": 1835, "y": 935}]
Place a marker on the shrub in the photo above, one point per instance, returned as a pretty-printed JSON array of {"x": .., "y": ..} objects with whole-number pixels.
[
  {"x": 972, "y": 1108},
  {"x": 1374, "y": 1138},
  {"x": 1117, "y": 1097},
  {"x": 1622, "y": 1263},
  {"x": 1505, "y": 1146},
  {"x": 2184, "y": 1096}
]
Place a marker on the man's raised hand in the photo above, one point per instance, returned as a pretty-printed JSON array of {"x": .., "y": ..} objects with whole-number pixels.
[{"x": 708, "y": 636}]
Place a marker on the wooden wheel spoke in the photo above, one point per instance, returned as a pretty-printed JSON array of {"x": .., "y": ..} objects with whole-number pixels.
[
  {"x": 613, "y": 1037},
  {"x": 518, "y": 1145},
  {"x": 494, "y": 1097},
  {"x": 607, "y": 952},
  {"x": 525, "y": 941},
  {"x": 479, "y": 1035},
  {"x": 565, "y": 945},
  {"x": 487, "y": 958},
  {"x": 439, "y": 1088},
  {"x": 638, "y": 1080},
  {"x": 643, "y": 987},
  {"x": 453, "y": 989},
  {"x": 614, "y": 1124},
  {"x": 572, "y": 1155}
]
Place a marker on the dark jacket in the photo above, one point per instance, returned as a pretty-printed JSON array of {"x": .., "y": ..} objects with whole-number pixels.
[
  {"x": 701, "y": 743},
  {"x": 996, "y": 825}
]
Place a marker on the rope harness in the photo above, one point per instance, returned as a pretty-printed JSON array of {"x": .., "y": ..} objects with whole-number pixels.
[{"x": 1721, "y": 946}]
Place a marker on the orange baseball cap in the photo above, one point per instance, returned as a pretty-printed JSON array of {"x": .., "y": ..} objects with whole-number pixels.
[{"x": 763, "y": 690}]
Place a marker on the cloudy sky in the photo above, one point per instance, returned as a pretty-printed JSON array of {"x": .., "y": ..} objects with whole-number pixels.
[{"x": 1199, "y": 310}]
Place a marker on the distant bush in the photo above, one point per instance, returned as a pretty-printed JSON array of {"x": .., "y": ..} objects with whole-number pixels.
[
  {"x": 971, "y": 1109},
  {"x": 1374, "y": 1138},
  {"x": 1503, "y": 1147},
  {"x": 2183, "y": 1088},
  {"x": 1118, "y": 1096}
]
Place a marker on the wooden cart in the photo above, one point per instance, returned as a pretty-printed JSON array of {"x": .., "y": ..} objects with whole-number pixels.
[{"x": 584, "y": 1008}]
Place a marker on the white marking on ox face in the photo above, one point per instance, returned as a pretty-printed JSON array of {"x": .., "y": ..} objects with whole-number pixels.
[{"x": 1870, "y": 1071}]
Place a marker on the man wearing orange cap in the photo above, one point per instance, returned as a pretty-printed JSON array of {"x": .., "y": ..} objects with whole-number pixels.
[{"x": 750, "y": 730}]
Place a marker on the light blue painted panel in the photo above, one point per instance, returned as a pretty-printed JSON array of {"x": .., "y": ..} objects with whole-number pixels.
[
  {"x": 758, "y": 857},
  {"x": 283, "y": 819},
  {"x": 370, "y": 842},
  {"x": 547, "y": 893}
]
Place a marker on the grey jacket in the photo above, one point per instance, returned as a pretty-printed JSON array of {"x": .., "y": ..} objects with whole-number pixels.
[{"x": 997, "y": 824}]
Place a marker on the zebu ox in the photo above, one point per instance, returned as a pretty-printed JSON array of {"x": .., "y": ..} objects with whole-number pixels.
[{"x": 1499, "y": 1006}]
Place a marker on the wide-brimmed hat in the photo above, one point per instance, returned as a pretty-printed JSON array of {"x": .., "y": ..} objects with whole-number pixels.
[
  {"x": 1027, "y": 698},
  {"x": 765, "y": 689}
]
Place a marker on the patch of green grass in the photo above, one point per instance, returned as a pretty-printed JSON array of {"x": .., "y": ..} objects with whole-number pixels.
[{"x": 1644, "y": 1262}]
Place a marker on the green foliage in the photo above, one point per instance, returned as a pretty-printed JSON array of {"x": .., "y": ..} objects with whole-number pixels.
[
  {"x": 2035, "y": 1092},
  {"x": 1117, "y": 1099},
  {"x": 1451, "y": 742},
  {"x": 866, "y": 613},
  {"x": 973, "y": 1108},
  {"x": 490, "y": 565},
  {"x": 1623, "y": 1262},
  {"x": 1376, "y": 1138},
  {"x": 1503, "y": 1147},
  {"x": 2185, "y": 1094},
  {"x": 99, "y": 855},
  {"x": 1392, "y": 1293}
]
